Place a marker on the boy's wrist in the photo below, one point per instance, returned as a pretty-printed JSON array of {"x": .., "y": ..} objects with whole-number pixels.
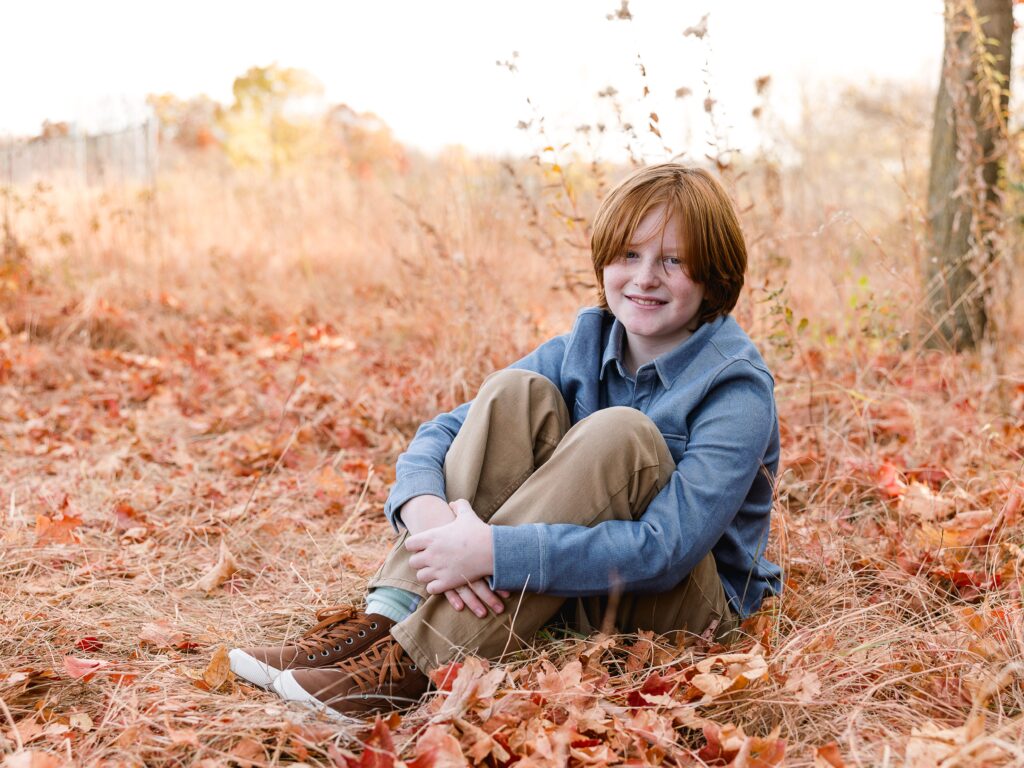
[{"x": 421, "y": 513}]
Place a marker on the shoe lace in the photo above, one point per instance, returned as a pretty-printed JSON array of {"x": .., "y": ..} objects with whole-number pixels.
[
  {"x": 334, "y": 624},
  {"x": 372, "y": 669}
]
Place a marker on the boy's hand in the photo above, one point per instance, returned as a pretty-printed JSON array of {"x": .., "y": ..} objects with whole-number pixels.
[
  {"x": 456, "y": 556},
  {"x": 421, "y": 513}
]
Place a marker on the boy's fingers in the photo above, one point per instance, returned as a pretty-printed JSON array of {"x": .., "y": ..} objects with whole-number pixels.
[
  {"x": 454, "y": 599},
  {"x": 415, "y": 544},
  {"x": 472, "y": 601},
  {"x": 505, "y": 593},
  {"x": 484, "y": 592}
]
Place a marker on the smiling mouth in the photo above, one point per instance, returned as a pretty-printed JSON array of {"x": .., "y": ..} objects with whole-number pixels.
[{"x": 646, "y": 302}]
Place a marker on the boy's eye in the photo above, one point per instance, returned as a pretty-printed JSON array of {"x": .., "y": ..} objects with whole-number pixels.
[
  {"x": 673, "y": 261},
  {"x": 631, "y": 255}
]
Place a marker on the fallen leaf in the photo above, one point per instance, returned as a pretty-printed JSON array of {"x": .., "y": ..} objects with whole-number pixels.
[
  {"x": 443, "y": 677},
  {"x": 727, "y": 672},
  {"x": 218, "y": 671},
  {"x": 83, "y": 669},
  {"x": 379, "y": 750},
  {"x": 437, "y": 748},
  {"x": 330, "y": 484},
  {"x": 112, "y": 464},
  {"x": 653, "y": 726},
  {"x": 56, "y": 729},
  {"x": 161, "y": 636},
  {"x": 80, "y": 721},
  {"x": 126, "y": 516},
  {"x": 889, "y": 480},
  {"x": 962, "y": 530},
  {"x": 479, "y": 744},
  {"x": 805, "y": 684},
  {"x": 729, "y": 745},
  {"x": 551, "y": 680},
  {"x": 828, "y": 756},
  {"x": 1009, "y": 515},
  {"x": 60, "y": 530},
  {"x": 89, "y": 644},
  {"x": 930, "y": 744},
  {"x": 121, "y": 678},
  {"x": 248, "y": 752},
  {"x": 220, "y": 572},
  {"x": 652, "y": 692},
  {"x": 475, "y": 681},
  {"x": 921, "y": 503},
  {"x": 711, "y": 685}
]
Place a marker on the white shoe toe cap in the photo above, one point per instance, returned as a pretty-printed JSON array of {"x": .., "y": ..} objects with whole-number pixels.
[{"x": 252, "y": 669}]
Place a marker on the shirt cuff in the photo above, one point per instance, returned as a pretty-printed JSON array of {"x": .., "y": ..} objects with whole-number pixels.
[
  {"x": 421, "y": 483},
  {"x": 518, "y": 558}
]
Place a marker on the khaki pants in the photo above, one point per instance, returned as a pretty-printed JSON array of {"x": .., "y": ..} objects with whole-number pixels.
[{"x": 517, "y": 461}]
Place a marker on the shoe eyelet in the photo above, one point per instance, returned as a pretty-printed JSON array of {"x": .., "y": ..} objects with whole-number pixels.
[
  {"x": 361, "y": 633},
  {"x": 373, "y": 625},
  {"x": 325, "y": 652},
  {"x": 413, "y": 668},
  {"x": 311, "y": 657},
  {"x": 337, "y": 647},
  {"x": 349, "y": 641}
]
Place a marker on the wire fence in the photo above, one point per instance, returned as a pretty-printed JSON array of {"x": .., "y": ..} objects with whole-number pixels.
[{"x": 130, "y": 154}]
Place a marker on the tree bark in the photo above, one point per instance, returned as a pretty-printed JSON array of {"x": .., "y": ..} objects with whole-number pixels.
[{"x": 968, "y": 153}]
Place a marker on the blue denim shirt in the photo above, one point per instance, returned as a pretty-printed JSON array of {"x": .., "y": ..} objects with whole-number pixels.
[{"x": 712, "y": 398}]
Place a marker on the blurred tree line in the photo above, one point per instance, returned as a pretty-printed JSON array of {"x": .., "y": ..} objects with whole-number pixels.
[{"x": 278, "y": 118}]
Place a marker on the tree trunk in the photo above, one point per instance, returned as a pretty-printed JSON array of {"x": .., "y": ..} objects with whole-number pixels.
[{"x": 968, "y": 153}]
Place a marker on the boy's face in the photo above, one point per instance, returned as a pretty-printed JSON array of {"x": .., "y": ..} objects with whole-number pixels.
[{"x": 649, "y": 291}]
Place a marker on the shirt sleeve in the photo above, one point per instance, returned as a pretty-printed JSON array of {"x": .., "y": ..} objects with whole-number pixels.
[
  {"x": 729, "y": 435},
  {"x": 419, "y": 470}
]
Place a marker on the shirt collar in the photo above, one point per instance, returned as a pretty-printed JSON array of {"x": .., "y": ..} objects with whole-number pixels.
[
  {"x": 613, "y": 350},
  {"x": 669, "y": 365}
]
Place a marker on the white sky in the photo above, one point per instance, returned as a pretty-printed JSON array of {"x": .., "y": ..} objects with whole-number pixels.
[{"x": 428, "y": 68}]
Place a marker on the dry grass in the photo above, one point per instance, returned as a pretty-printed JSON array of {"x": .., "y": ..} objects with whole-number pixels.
[{"x": 238, "y": 360}]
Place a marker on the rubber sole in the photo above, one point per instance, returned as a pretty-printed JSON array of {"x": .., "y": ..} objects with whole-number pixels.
[{"x": 289, "y": 690}]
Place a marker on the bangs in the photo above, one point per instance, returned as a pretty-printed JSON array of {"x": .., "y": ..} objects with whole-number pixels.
[{"x": 622, "y": 229}]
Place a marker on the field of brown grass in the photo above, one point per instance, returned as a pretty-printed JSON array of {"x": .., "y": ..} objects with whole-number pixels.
[{"x": 204, "y": 385}]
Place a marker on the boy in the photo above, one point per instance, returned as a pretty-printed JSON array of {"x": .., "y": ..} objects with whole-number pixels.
[{"x": 633, "y": 457}]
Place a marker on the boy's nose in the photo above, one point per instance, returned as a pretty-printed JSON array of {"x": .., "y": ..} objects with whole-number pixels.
[{"x": 646, "y": 275}]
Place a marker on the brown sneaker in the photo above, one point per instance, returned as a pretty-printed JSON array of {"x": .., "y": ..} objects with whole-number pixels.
[
  {"x": 383, "y": 677},
  {"x": 340, "y": 631}
]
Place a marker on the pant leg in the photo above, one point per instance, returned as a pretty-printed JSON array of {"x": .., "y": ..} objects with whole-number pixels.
[
  {"x": 513, "y": 426},
  {"x": 608, "y": 466},
  {"x": 692, "y": 606}
]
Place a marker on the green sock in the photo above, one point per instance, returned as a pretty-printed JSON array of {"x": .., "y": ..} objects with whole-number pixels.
[{"x": 392, "y": 602}]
